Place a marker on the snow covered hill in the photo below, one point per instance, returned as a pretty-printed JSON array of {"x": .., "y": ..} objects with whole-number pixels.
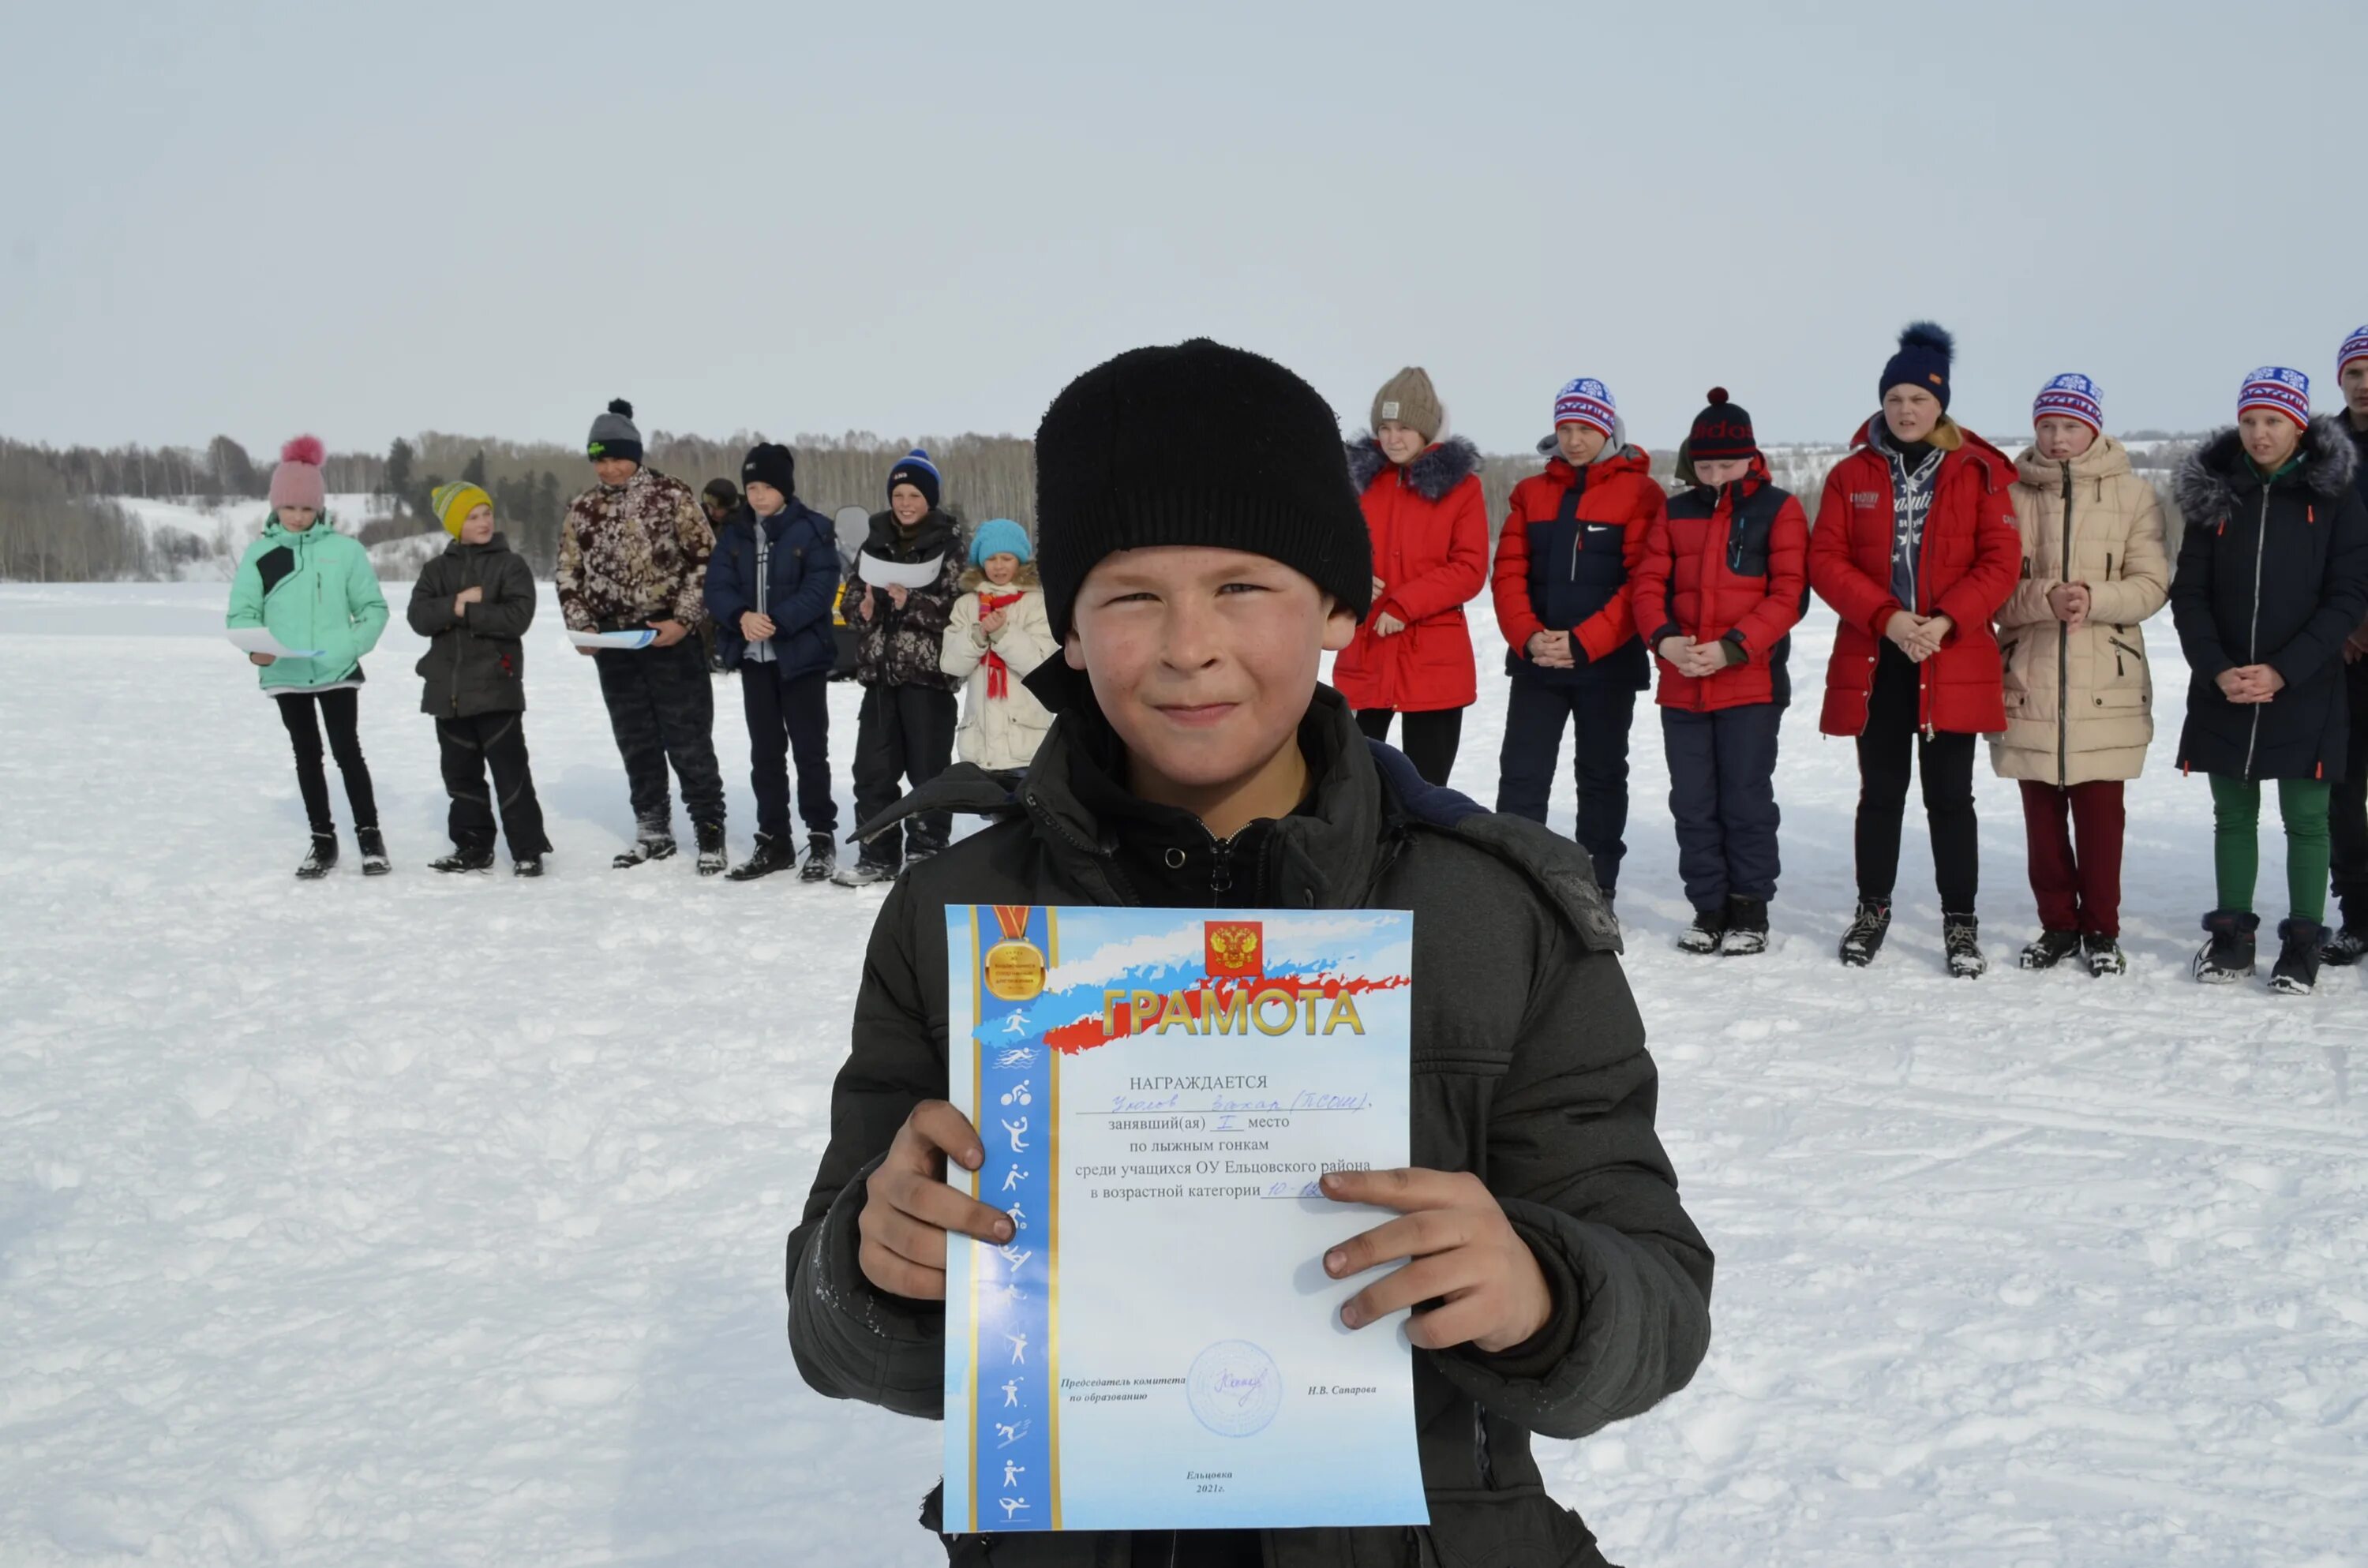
[{"x": 421, "y": 1222}]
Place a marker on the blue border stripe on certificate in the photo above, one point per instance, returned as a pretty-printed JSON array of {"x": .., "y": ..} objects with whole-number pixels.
[{"x": 1013, "y": 1386}]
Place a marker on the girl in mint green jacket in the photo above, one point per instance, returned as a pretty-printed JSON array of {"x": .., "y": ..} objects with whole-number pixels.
[{"x": 312, "y": 587}]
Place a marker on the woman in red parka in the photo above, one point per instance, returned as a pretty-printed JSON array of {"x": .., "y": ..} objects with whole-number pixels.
[
  {"x": 1724, "y": 577},
  {"x": 1915, "y": 549},
  {"x": 1429, "y": 526}
]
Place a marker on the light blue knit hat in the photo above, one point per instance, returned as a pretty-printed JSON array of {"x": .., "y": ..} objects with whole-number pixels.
[{"x": 1000, "y": 536}]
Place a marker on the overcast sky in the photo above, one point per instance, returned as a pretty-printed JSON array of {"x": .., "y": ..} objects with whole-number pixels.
[{"x": 491, "y": 218}]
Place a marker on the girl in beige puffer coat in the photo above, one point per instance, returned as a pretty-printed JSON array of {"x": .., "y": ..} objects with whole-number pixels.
[
  {"x": 2078, "y": 689},
  {"x": 997, "y": 636}
]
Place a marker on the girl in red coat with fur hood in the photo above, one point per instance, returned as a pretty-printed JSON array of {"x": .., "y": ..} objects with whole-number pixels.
[
  {"x": 1915, "y": 548},
  {"x": 1429, "y": 527}
]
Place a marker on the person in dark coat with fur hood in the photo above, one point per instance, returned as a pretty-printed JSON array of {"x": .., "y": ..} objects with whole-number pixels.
[
  {"x": 2272, "y": 578},
  {"x": 1429, "y": 528},
  {"x": 1195, "y": 761},
  {"x": 474, "y": 604}
]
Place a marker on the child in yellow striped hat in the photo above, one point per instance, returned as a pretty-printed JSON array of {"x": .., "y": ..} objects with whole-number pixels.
[{"x": 474, "y": 603}]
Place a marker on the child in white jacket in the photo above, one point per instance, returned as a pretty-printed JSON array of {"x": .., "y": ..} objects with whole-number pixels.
[{"x": 997, "y": 636}]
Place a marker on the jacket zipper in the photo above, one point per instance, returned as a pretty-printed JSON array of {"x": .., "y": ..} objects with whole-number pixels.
[
  {"x": 1480, "y": 1447},
  {"x": 463, "y": 627},
  {"x": 2063, "y": 655},
  {"x": 2253, "y": 637}
]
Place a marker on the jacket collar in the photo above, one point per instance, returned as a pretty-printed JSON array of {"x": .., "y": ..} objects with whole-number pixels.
[
  {"x": 2106, "y": 459},
  {"x": 498, "y": 544},
  {"x": 2216, "y": 472},
  {"x": 1434, "y": 472}
]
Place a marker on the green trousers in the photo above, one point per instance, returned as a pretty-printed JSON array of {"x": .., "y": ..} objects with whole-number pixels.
[{"x": 2236, "y": 842}]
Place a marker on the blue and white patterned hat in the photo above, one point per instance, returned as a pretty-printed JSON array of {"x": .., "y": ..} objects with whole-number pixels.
[
  {"x": 1587, "y": 402},
  {"x": 2071, "y": 397},
  {"x": 2274, "y": 386},
  {"x": 2354, "y": 347}
]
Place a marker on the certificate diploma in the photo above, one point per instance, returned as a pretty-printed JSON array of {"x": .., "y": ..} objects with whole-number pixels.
[{"x": 1157, "y": 1092}]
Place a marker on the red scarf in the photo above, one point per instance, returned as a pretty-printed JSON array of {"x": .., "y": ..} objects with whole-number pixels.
[{"x": 998, "y": 673}]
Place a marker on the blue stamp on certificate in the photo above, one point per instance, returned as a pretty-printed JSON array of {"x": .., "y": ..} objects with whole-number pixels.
[{"x": 1158, "y": 1092}]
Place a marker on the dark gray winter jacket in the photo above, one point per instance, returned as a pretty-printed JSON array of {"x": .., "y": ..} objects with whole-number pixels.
[
  {"x": 474, "y": 663},
  {"x": 1530, "y": 1069}
]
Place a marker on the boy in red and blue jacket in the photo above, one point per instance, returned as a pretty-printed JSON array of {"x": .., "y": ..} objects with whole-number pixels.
[
  {"x": 1572, "y": 537},
  {"x": 1724, "y": 579}
]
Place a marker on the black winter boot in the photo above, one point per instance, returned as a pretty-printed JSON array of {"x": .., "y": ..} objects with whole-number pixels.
[
  {"x": 822, "y": 857},
  {"x": 464, "y": 859},
  {"x": 2344, "y": 946},
  {"x": 774, "y": 853},
  {"x": 2050, "y": 947},
  {"x": 373, "y": 848},
  {"x": 712, "y": 856},
  {"x": 320, "y": 859},
  {"x": 530, "y": 866},
  {"x": 1864, "y": 938},
  {"x": 1961, "y": 938},
  {"x": 2228, "y": 956},
  {"x": 2104, "y": 955},
  {"x": 1747, "y": 926},
  {"x": 2299, "y": 941},
  {"x": 652, "y": 840},
  {"x": 1705, "y": 935},
  {"x": 863, "y": 873}
]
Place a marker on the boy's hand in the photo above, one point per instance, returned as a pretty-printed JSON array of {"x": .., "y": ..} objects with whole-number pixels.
[
  {"x": 897, "y": 593},
  {"x": 1387, "y": 625},
  {"x": 908, "y": 1208},
  {"x": 669, "y": 632},
  {"x": 260, "y": 659},
  {"x": 1464, "y": 1254},
  {"x": 757, "y": 627},
  {"x": 1551, "y": 651},
  {"x": 863, "y": 606}
]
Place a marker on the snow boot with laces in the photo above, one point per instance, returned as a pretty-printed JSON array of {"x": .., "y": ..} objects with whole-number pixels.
[
  {"x": 2050, "y": 948},
  {"x": 713, "y": 857},
  {"x": 1706, "y": 933},
  {"x": 373, "y": 848},
  {"x": 2299, "y": 941},
  {"x": 529, "y": 866},
  {"x": 2104, "y": 955},
  {"x": 863, "y": 873},
  {"x": 465, "y": 859},
  {"x": 2227, "y": 958},
  {"x": 774, "y": 853},
  {"x": 651, "y": 841},
  {"x": 1746, "y": 927},
  {"x": 822, "y": 858},
  {"x": 1864, "y": 938},
  {"x": 319, "y": 860},
  {"x": 1961, "y": 938}
]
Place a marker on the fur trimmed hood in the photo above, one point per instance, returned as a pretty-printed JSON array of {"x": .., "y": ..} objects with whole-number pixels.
[
  {"x": 2213, "y": 472},
  {"x": 1433, "y": 474},
  {"x": 1025, "y": 579}
]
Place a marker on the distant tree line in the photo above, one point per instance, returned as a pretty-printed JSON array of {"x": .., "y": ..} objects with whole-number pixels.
[{"x": 57, "y": 519}]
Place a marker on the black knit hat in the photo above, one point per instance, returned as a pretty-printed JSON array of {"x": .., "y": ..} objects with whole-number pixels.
[
  {"x": 1926, "y": 351},
  {"x": 723, "y": 492},
  {"x": 770, "y": 462},
  {"x": 1108, "y": 477},
  {"x": 1722, "y": 432}
]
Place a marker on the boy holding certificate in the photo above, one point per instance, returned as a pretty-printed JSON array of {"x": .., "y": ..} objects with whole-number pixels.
[{"x": 1554, "y": 1281}]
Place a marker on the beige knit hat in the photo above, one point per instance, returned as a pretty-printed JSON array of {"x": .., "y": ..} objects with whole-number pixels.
[{"x": 1407, "y": 398}]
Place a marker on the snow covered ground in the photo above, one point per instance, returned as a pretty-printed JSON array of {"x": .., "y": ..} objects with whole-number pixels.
[{"x": 434, "y": 1222}]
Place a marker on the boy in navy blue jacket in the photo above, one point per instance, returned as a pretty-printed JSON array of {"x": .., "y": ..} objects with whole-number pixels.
[{"x": 770, "y": 588}]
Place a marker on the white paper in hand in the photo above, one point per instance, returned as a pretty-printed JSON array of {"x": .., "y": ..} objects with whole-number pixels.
[
  {"x": 885, "y": 573},
  {"x": 258, "y": 639},
  {"x": 641, "y": 638}
]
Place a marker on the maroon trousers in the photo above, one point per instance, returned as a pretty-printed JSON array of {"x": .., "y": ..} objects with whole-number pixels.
[{"x": 2078, "y": 890}]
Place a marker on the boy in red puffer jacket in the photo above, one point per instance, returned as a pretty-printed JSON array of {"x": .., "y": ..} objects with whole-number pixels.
[
  {"x": 1723, "y": 578},
  {"x": 1572, "y": 536}
]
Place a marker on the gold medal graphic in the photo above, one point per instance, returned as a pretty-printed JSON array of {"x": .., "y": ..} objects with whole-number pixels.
[{"x": 1014, "y": 969}]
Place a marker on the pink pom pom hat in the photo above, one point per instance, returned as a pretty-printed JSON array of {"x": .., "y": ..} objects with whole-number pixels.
[{"x": 296, "y": 481}]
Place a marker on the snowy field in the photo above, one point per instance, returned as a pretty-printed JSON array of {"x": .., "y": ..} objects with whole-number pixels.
[{"x": 427, "y": 1220}]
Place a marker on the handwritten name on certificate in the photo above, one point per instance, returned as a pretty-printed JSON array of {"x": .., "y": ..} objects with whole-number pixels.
[{"x": 1158, "y": 1347}]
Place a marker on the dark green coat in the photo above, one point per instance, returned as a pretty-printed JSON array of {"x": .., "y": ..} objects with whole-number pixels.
[
  {"x": 1529, "y": 1069},
  {"x": 474, "y": 664}
]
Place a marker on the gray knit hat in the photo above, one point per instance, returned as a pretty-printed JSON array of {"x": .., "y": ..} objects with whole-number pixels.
[
  {"x": 614, "y": 435},
  {"x": 1408, "y": 398}
]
